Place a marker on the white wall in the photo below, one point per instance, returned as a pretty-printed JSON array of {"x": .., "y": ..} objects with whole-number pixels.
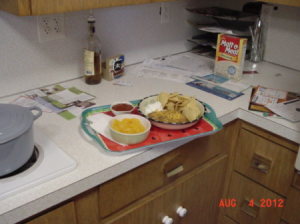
[
  {"x": 283, "y": 37},
  {"x": 282, "y": 44},
  {"x": 132, "y": 30}
]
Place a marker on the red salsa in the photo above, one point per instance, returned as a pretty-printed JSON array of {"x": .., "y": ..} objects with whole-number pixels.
[{"x": 122, "y": 107}]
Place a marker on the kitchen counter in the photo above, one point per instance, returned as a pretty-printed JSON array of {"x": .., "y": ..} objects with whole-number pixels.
[{"x": 96, "y": 166}]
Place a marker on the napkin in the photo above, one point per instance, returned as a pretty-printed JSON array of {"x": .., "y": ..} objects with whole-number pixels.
[{"x": 100, "y": 123}]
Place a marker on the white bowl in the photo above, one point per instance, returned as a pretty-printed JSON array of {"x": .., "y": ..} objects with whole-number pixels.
[
  {"x": 165, "y": 125},
  {"x": 130, "y": 138},
  {"x": 118, "y": 112}
]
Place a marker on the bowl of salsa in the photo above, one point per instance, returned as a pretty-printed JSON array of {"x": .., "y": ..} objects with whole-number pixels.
[{"x": 121, "y": 108}]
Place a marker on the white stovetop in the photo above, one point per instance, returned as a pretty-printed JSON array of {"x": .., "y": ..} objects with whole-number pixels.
[
  {"x": 52, "y": 162},
  {"x": 95, "y": 166}
]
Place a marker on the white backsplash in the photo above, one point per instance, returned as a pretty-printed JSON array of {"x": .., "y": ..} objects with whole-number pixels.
[
  {"x": 283, "y": 37},
  {"x": 135, "y": 31}
]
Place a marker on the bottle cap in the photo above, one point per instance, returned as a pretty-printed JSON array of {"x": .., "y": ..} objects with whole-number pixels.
[{"x": 91, "y": 19}]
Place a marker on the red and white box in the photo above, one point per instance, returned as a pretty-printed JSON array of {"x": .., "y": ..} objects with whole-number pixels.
[{"x": 230, "y": 56}]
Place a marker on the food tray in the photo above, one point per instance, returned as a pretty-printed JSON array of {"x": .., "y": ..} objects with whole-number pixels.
[{"x": 208, "y": 125}]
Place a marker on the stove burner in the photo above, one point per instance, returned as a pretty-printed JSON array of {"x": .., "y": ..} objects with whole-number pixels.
[{"x": 31, "y": 161}]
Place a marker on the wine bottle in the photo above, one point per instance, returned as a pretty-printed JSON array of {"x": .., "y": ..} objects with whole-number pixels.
[{"x": 92, "y": 55}]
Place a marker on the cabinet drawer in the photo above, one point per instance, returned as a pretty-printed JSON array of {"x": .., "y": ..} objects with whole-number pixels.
[
  {"x": 156, "y": 173},
  {"x": 291, "y": 211},
  {"x": 264, "y": 161},
  {"x": 254, "y": 203},
  {"x": 189, "y": 192},
  {"x": 226, "y": 220}
]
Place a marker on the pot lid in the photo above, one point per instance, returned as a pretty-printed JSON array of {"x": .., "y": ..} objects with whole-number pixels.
[{"x": 14, "y": 121}]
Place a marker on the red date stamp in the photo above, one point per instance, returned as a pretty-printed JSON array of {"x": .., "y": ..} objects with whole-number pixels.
[
  {"x": 262, "y": 203},
  {"x": 267, "y": 203}
]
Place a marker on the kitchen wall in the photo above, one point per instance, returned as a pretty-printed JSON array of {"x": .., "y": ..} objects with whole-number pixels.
[
  {"x": 135, "y": 31},
  {"x": 283, "y": 36},
  {"x": 282, "y": 41}
]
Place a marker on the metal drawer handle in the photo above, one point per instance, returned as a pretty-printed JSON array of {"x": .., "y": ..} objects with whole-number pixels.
[
  {"x": 261, "y": 163},
  {"x": 250, "y": 210},
  {"x": 175, "y": 171}
]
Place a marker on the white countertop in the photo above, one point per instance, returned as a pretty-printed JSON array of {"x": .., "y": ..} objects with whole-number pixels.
[{"x": 95, "y": 166}]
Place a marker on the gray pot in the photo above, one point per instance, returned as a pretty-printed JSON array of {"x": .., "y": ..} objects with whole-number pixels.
[{"x": 16, "y": 136}]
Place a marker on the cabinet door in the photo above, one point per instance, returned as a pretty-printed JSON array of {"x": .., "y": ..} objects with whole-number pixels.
[
  {"x": 62, "y": 215},
  {"x": 121, "y": 191},
  {"x": 201, "y": 193},
  {"x": 41, "y": 7},
  {"x": 291, "y": 211},
  {"x": 254, "y": 203},
  {"x": 193, "y": 192},
  {"x": 86, "y": 206},
  {"x": 61, "y": 6},
  {"x": 18, "y": 7},
  {"x": 149, "y": 210}
]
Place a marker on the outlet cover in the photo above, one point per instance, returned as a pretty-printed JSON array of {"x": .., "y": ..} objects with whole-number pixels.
[{"x": 51, "y": 27}]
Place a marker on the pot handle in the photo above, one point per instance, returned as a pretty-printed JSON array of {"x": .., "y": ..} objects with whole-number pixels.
[{"x": 36, "y": 116}]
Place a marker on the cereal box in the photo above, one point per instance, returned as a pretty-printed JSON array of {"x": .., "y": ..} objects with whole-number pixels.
[{"x": 230, "y": 56}]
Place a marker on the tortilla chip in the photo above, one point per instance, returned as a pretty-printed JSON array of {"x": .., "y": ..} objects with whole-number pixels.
[
  {"x": 191, "y": 111},
  {"x": 163, "y": 98}
]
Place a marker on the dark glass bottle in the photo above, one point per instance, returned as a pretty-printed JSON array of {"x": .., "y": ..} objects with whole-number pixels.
[{"x": 92, "y": 56}]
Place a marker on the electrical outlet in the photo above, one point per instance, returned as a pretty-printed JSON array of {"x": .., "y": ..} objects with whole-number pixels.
[
  {"x": 164, "y": 13},
  {"x": 50, "y": 27}
]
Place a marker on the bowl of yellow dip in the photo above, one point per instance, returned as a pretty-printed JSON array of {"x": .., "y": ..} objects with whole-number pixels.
[{"x": 129, "y": 128}]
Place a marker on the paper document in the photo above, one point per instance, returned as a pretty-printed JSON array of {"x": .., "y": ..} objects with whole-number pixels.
[
  {"x": 224, "y": 82},
  {"x": 178, "y": 68},
  {"x": 67, "y": 97},
  {"x": 188, "y": 62},
  {"x": 215, "y": 89},
  {"x": 289, "y": 110}
]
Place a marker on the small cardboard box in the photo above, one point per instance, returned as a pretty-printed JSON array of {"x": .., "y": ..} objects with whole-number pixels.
[
  {"x": 114, "y": 67},
  {"x": 230, "y": 56}
]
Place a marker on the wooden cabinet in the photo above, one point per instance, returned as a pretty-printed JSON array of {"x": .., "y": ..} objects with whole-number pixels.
[
  {"x": 191, "y": 176},
  {"x": 263, "y": 180},
  {"x": 192, "y": 192},
  {"x": 252, "y": 205},
  {"x": 227, "y": 220},
  {"x": 284, "y": 2},
  {"x": 86, "y": 207},
  {"x": 41, "y": 7},
  {"x": 61, "y": 215},
  {"x": 264, "y": 161},
  {"x": 292, "y": 210},
  {"x": 259, "y": 176},
  {"x": 131, "y": 186}
]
